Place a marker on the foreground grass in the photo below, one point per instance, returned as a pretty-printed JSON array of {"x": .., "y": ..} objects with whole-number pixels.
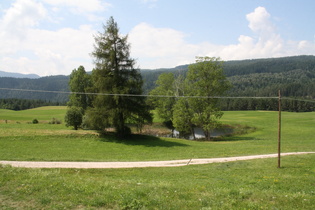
[{"x": 254, "y": 184}]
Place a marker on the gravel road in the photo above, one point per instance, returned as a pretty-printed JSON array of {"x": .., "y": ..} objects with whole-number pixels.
[{"x": 142, "y": 164}]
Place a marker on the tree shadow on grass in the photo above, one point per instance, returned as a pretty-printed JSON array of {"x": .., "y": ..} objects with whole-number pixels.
[
  {"x": 236, "y": 138},
  {"x": 136, "y": 139}
]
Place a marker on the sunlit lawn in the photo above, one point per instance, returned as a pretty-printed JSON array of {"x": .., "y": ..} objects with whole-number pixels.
[{"x": 255, "y": 184}]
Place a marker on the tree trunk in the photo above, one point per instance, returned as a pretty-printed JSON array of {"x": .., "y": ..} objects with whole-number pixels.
[
  {"x": 120, "y": 125},
  {"x": 207, "y": 134},
  {"x": 193, "y": 132}
]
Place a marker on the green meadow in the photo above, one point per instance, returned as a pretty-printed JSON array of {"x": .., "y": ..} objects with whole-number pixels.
[
  {"x": 254, "y": 184},
  {"x": 41, "y": 114}
]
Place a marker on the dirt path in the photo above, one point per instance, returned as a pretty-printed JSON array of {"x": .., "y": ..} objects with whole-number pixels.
[{"x": 170, "y": 163}]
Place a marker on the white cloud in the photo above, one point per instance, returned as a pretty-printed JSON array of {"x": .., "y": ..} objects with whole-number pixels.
[
  {"x": 87, "y": 8},
  {"x": 80, "y": 5},
  {"x": 159, "y": 47},
  {"x": 22, "y": 15},
  {"x": 29, "y": 49},
  {"x": 155, "y": 42},
  {"x": 265, "y": 43},
  {"x": 259, "y": 21},
  {"x": 164, "y": 47},
  {"x": 55, "y": 52}
]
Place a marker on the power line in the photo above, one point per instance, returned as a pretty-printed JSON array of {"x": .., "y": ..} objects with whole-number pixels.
[
  {"x": 157, "y": 96},
  {"x": 296, "y": 99},
  {"x": 132, "y": 95}
]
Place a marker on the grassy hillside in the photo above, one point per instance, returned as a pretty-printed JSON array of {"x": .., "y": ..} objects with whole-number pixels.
[{"x": 254, "y": 184}]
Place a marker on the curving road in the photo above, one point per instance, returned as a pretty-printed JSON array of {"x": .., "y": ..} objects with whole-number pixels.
[{"x": 142, "y": 164}]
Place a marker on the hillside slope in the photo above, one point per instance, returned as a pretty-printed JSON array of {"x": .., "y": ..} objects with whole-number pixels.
[
  {"x": 294, "y": 76},
  {"x": 51, "y": 83},
  {"x": 18, "y": 75}
]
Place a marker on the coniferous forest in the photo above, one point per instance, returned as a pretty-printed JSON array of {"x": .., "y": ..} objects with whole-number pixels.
[
  {"x": 294, "y": 76},
  {"x": 22, "y": 104}
]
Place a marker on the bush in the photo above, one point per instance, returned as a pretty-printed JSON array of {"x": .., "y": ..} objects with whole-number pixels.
[
  {"x": 35, "y": 121},
  {"x": 55, "y": 121},
  {"x": 74, "y": 117}
]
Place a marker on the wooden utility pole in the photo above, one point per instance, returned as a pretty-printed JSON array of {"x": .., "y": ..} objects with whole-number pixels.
[{"x": 279, "y": 130}]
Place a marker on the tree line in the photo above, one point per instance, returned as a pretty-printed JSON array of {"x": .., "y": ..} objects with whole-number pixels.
[
  {"x": 269, "y": 104},
  {"x": 294, "y": 76},
  {"x": 22, "y": 104}
]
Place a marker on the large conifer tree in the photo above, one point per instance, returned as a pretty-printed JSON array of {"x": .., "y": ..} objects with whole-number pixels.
[{"x": 116, "y": 75}]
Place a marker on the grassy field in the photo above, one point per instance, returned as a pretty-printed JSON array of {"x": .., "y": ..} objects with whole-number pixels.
[
  {"x": 255, "y": 184},
  {"x": 41, "y": 114},
  {"x": 50, "y": 142}
]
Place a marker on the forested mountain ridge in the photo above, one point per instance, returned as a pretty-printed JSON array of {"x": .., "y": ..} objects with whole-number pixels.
[
  {"x": 294, "y": 83},
  {"x": 269, "y": 65},
  {"x": 294, "y": 76},
  {"x": 51, "y": 83}
]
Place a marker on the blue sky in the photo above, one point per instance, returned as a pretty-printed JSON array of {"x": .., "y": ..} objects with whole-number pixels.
[{"x": 52, "y": 37}]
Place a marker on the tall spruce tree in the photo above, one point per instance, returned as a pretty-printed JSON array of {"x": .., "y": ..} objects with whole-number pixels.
[{"x": 116, "y": 75}]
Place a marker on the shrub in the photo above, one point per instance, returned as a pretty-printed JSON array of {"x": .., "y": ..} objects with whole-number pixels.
[
  {"x": 74, "y": 117},
  {"x": 55, "y": 121},
  {"x": 35, "y": 121}
]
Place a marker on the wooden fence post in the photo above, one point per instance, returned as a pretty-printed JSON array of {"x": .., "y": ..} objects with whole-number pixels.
[{"x": 279, "y": 131}]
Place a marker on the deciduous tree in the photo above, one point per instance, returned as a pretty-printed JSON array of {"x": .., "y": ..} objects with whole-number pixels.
[
  {"x": 206, "y": 80},
  {"x": 74, "y": 117},
  {"x": 193, "y": 102},
  {"x": 79, "y": 83},
  {"x": 164, "y": 105}
]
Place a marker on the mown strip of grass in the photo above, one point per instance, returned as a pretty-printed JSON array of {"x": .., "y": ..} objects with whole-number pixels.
[{"x": 255, "y": 184}]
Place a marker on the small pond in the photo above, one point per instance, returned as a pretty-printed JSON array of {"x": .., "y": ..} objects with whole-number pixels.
[{"x": 214, "y": 133}]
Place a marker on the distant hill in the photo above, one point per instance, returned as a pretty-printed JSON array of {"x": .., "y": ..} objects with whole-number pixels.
[
  {"x": 294, "y": 76},
  {"x": 18, "y": 75},
  {"x": 51, "y": 83}
]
